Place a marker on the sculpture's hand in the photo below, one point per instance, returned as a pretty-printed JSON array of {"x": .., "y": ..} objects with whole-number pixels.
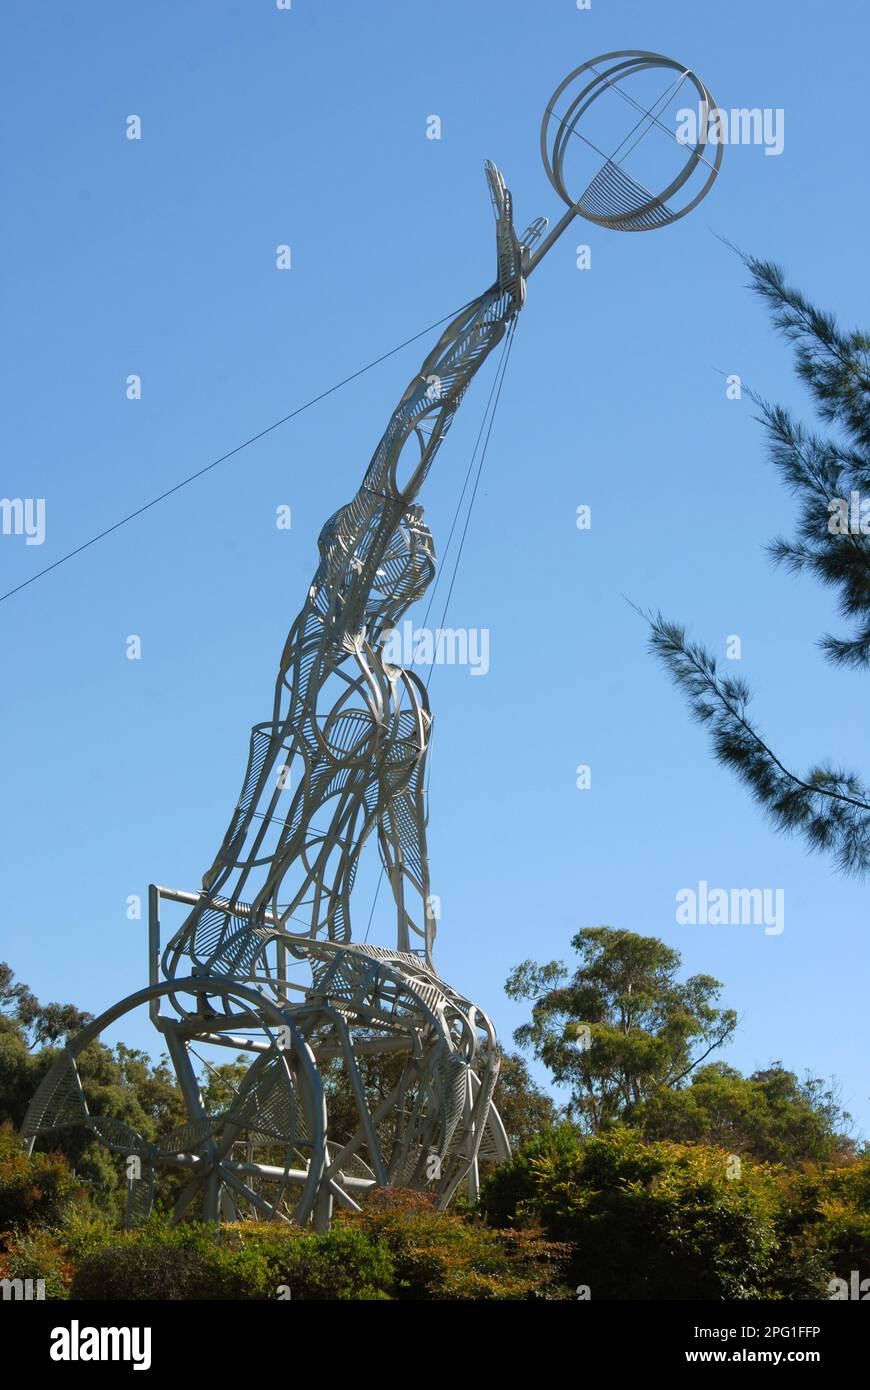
[{"x": 510, "y": 280}]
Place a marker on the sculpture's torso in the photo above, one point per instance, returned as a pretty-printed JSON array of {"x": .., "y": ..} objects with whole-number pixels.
[{"x": 344, "y": 750}]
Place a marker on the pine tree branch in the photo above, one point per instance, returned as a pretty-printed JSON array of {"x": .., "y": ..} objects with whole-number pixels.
[{"x": 831, "y": 809}]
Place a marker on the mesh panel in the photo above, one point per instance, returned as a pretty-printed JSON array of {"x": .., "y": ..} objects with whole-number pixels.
[
  {"x": 58, "y": 1101},
  {"x": 269, "y": 1107},
  {"x": 119, "y": 1136},
  {"x": 616, "y": 196},
  {"x": 189, "y": 1136},
  {"x": 261, "y": 742},
  {"x": 140, "y": 1198}
]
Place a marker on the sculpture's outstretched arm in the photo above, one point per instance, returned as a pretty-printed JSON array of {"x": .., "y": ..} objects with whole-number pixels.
[
  {"x": 376, "y": 558},
  {"x": 348, "y": 593},
  {"x": 435, "y": 393}
]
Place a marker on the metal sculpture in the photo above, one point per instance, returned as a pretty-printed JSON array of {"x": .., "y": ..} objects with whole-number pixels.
[{"x": 341, "y": 759}]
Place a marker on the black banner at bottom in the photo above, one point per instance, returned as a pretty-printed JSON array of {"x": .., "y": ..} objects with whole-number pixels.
[{"x": 59, "y": 1339}]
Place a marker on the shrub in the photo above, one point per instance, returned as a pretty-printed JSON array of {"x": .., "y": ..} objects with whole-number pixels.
[
  {"x": 399, "y": 1247},
  {"x": 441, "y": 1255},
  {"x": 155, "y": 1262},
  {"x": 38, "y": 1255},
  {"x": 34, "y": 1188},
  {"x": 648, "y": 1220},
  {"x": 507, "y": 1193},
  {"x": 824, "y": 1226},
  {"x": 137, "y": 1271},
  {"x": 345, "y": 1263},
  {"x": 249, "y": 1262}
]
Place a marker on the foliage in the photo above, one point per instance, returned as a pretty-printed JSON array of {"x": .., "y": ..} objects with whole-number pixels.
[
  {"x": 379, "y": 1075},
  {"x": 828, "y": 805},
  {"x": 35, "y": 1189},
  {"x": 38, "y": 1192},
  {"x": 626, "y": 1217},
  {"x": 122, "y": 1082},
  {"x": 684, "y": 1221},
  {"x": 40, "y": 1023},
  {"x": 655, "y": 1220},
  {"x": 640, "y": 1199},
  {"x": 441, "y": 1255},
  {"x": 622, "y": 1025},
  {"x": 825, "y": 1220},
  {"x": 155, "y": 1263},
  {"x": 525, "y": 1108},
  {"x": 399, "y": 1248},
  {"x": 38, "y": 1254},
  {"x": 770, "y": 1115},
  {"x": 508, "y": 1192}
]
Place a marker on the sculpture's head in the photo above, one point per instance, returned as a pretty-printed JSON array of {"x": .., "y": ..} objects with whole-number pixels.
[
  {"x": 404, "y": 573},
  {"x": 362, "y": 592}
]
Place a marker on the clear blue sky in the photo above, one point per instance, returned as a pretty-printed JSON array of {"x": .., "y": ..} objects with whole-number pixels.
[{"x": 156, "y": 257}]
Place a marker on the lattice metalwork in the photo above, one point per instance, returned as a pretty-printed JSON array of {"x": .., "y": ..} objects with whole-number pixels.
[{"x": 341, "y": 761}]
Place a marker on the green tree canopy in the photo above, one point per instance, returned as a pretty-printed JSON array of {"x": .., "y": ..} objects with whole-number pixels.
[
  {"x": 770, "y": 1115},
  {"x": 622, "y": 1025}
]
